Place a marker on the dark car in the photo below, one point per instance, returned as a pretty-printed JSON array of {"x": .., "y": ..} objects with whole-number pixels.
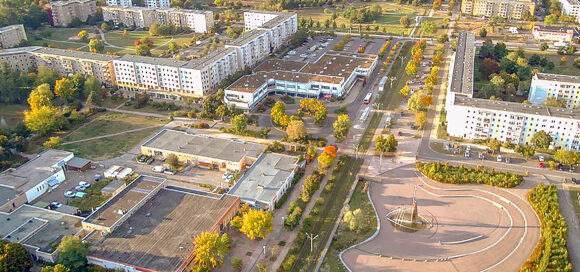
[{"x": 575, "y": 181}]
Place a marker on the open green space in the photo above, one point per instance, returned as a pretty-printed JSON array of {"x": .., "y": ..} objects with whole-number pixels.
[
  {"x": 109, "y": 147},
  {"x": 438, "y": 22},
  {"x": 111, "y": 123},
  {"x": 390, "y": 98},
  {"x": 575, "y": 197},
  {"x": 11, "y": 114},
  {"x": 63, "y": 34},
  {"x": 344, "y": 236},
  {"x": 367, "y": 137},
  {"x": 566, "y": 69},
  {"x": 61, "y": 44}
]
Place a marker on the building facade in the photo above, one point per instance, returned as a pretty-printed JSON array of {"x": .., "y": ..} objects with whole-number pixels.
[
  {"x": 554, "y": 33},
  {"x": 61, "y": 13},
  {"x": 141, "y": 17},
  {"x": 509, "y": 9},
  {"x": 279, "y": 25},
  {"x": 571, "y": 7},
  {"x": 11, "y": 36},
  {"x": 137, "y": 17},
  {"x": 122, "y": 3},
  {"x": 562, "y": 87},
  {"x": 19, "y": 59},
  {"x": 512, "y": 122},
  {"x": 157, "y": 3}
]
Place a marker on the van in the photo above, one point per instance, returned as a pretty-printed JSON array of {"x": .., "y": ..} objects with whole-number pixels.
[
  {"x": 499, "y": 158},
  {"x": 158, "y": 169}
]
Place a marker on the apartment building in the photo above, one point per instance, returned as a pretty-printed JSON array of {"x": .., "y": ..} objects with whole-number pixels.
[
  {"x": 256, "y": 18},
  {"x": 512, "y": 122},
  {"x": 142, "y": 17},
  {"x": 571, "y": 7},
  {"x": 460, "y": 80},
  {"x": 330, "y": 76},
  {"x": 122, "y": 3},
  {"x": 61, "y": 13},
  {"x": 137, "y": 17},
  {"x": 252, "y": 47},
  {"x": 11, "y": 36},
  {"x": 510, "y": 9},
  {"x": 554, "y": 33},
  {"x": 19, "y": 59},
  {"x": 157, "y": 3},
  {"x": 555, "y": 86},
  {"x": 280, "y": 25}
]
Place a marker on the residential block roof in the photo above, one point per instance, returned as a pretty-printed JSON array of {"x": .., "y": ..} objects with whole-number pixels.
[
  {"x": 558, "y": 78},
  {"x": 515, "y": 107},
  {"x": 463, "y": 69}
]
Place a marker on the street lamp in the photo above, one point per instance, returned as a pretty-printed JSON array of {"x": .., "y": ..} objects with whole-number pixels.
[{"x": 392, "y": 79}]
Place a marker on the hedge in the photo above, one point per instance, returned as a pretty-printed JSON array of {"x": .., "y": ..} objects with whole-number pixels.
[{"x": 462, "y": 175}]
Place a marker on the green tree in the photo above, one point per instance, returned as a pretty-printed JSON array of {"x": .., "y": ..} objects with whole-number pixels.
[
  {"x": 386, "y": 144},
  {"x": 355, "y": 220},
  {"x": 210, "y": 250},
  {"x": 43, "y": 120},
  {"x": 544, "y": 46},
  {"x": 296, "y": 130},
  {"x": 415, "y": 103},
  {"x": 341, "y": 126},
  {"x": 483, "y": 33},
  {"x": 404, "y": 21},
  {"x": 525, "y": 150},
  {"x": 237, "y": 264},
  {"x": 14, "y": 257},
  {"x": 494, "y": 145},
  {"x": 92, "y": 84},
  {"x": 64, "y": 88},
  {"x": 541, "y": 139},
  {"x": 550, "y": 19},
  {"x": 83, "y": 35},
  {"x": 55, "y": 268},
  {"x": 172, "y": 161},
  {"x": 239, "y": 123},
  {"x": 43, "y": 89},
  {"x": 173, "y": 47},
  {"x": 428, "y": 27},
  {"x": 105, "y": 26},
  {"x": 154, "y": 29},
  {"x": 73, "y": 253},
  {"x": 555, "y": 102},
  {"x": 567, "y": 157},
  {"x": 222, "y": 111},
  {"x": 52, "y": 142},
  {"x": 96, "y": 46},
  {"x": 256, "y": 223},
  {"x": 143, "y": 50}
]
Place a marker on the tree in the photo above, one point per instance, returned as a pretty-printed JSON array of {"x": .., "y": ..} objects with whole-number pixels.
[
  {"x": 550, "y": 19},
  {"x": 355, "y": 220},
  {"x": 125, "y": 33},
  {"x": 567, "y": 157},
  {"x": 43, "y": 120},
  {"x": 154, "y": 29},
  {"x": 105, "y": 26},
  {"x": 411, "y": 68},
  {"x": 143, "y": 50},
  {"x": 256, "y": 223},
  {"x": 428, "y": 27},
  {"x": 525, "y": 150},
  {"x": 172, "y": 161},
  {"x": 414, "y": 102},
  {"x": 404, "y": 21},
  {"x": 541, "y": 139},
  {"x": 555, "y": 102},
  {"x": 405, "y": 90},
  {"x": 56, "y": 268},
  {"x": 14, "y": 257},
  {"x": 210, "y": 250},
  {"x": 427, "y": 100},
  {"x": 483, "y": 33},
  {"x": 341, "y": 126},
  {"x": 421, "y": 119},
  {"x": 544, "y": 46},
  {"x": 327, "y": 157},
  {"x": 36, "y": 101},
  {"x": 237, "y": 264},
  {"x": 83, "y": 35},
  {"x": 278, "y": 114},
  {"x": 96, "y": 46},
  {"x": 73, "y": 253},
  {"x": 494, "y": 145},
  {"x": 64, "y": 89},
  {"x": 52, "y": 142},
  {"x": 488, "y": 66},
  {"x": 239, "y": 123},
  {"x": 386, "y": 144},
  {"x": 92, "y": 84},
  {"x": 443, "y": 38},
  {"x": 296, "y": 130},
  {"x": 222, "y": 111}
]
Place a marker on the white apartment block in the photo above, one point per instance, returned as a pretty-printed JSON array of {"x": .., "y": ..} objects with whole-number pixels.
[
  {"x": 19, "y": 59},
  {"x": 555, "y": 86},
  {"x": 157, "y": 3},
  {"x": 512, "y": 122},
  {"x": 460, "y": 80},
  {"x": 122, "y": 3},
  {"x": 252, "y": 47},
  {"x": 141, "y": 17},
  {"x": 256, "y": 18},
  {"x": 280, "y": 25},
  {"x": 62, "y": 13},
  {"x": 11, "y": 36},
  {"x": 571, "y": 7}
]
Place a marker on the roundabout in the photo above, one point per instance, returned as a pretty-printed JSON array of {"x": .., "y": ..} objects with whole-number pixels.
[{"x": 430, "y": 226}]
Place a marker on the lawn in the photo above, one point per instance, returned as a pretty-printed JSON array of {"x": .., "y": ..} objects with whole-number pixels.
[
  {"x": 367, "y": 137},
  {"x": 566, "y": 69},
  {"x": 574, "y": 196},
  {"x": 149, "y": 109},
  {"x": 64, "y": 34},
  {"x": 110, "y": 147},
  {"x": 116, "y": 38},
  {"x": 111, "y": 123},
  {"x": 344, "y": 236},
  {"x": 61, "y": 44},
  {"x": 11, "y": 114},
  {"x": 390, "y": 98},
  {"x": 438, "y": 22}
]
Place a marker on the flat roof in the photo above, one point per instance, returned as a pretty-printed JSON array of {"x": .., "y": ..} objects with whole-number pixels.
[
  {"x": 152, "y": 60},
  {"x": 265, "y": 178},
  {"x": 283, "y": 16},
  {"x": 337, "y": 64},
  {"x": 159, "y": 236},
  {"x": 38, "y": 227},
  {"x": 75, "y": 54},
  {"x": 34, "y": 171},
  {"x": 11, "y": 27},
  {"x": 210, "y": 58},
  {"x": 463, "y": 68},
  {"x": 113, "y": 186},
  {"x": 19, "y": 50},
  {"x": 7, "y": 194},
  {"x": 120, "y": 204},
  {"x": 278, "y": 64},
  {"x": 250, "y": 83},
  {"x": 204, "y": 146},
  {"x": 77, "y": 162},
  {"x": 517, "y": 107},
  {"x": 247, "y": 37},
  {"x": 558, "y": 78},
  {"x": 555, "y": 28},
  {"x": 62, "y": 3}
]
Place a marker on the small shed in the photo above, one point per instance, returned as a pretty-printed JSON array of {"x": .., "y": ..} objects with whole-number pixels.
[
  {"x": 78, "y": 164},
  {"x": 113, "y": 188}
]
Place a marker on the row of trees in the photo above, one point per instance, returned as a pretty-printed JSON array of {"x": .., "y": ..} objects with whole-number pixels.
[
  {"x": 363, "y": 15},
  {"x": 550, "y": 253},
  {"x": 460, "y": 175},
  {"x": 383, "y": 50}
]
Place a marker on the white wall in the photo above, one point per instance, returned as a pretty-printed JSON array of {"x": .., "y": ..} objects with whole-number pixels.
[{"x": 43, "y": 187}]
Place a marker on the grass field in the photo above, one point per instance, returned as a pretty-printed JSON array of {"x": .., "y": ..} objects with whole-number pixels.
[
  {"x": 438, "y": 22},
  {"x": 109, "y": 147},
  {"x": 111, "y": 123},
  {"x": 367, "y": 137},
  {"x": 390, "y": 98},
  {"x": 574, "y": 192},
  {"x": 61, "y": 44},
  {"x": 11, "y": 114},
  {"x": 566, "y": 69},
  {"x": 159, "y": 43}
]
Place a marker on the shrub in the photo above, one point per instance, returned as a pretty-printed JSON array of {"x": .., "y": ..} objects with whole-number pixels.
[{"x": 461, "y": 175}]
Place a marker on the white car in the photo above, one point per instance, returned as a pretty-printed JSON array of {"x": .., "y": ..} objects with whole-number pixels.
[
  {"x": 80, "y": 188},
  {"x": 468, "y": 148},
  {"x": 467, "y": 154},
  {"x": 499, "y": 158},
  {"x": 541, "y": 158},
  {"x": 158, "y": 169},
  {"x": 69, "y": 194},
  {"x": 55, "y": 205},
  {"x": 304, "y": 55},
  {"x": 292, "y": 52},
  {"x": 84, "y": 184}
]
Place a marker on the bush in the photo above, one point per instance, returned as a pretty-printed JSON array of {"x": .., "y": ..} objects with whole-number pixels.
[
  {"x": 287, "y": 99},
  {"x": 289, "y": 262},
  {"x": 275, "y": 146},
  {"x": 461, "y": 175},
  {"x": 202, "y": 125}
]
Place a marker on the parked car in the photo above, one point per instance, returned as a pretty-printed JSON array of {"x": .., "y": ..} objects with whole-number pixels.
[
  {"x": 55, "y": 205},
  {"x": 169, "y": 171},
  {"x": 541, "y": 165},
  {"x": 507, "y": 159},
  {"x": 468, "y": 148},
  {"x": 80, "y": 188},
  {"x": 97, "y": 177},
  {"x": 575, "y": 181},
  {"x": 158, "y": 169},
  {"x": 467, "y": 154},
  {"x": 69, "y": 194},
  {"x": 560, "y": 167},
  {"x": 481, "y": 156},
  {"x": 499, "y": 158},
  {"x": 541, "y": 158},
  {"x": 84, "y": 184},
  {"x": 79, "y": 194},
  {"x": 225, "y": 175}
]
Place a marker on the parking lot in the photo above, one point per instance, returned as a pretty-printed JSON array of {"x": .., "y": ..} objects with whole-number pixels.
[{"x": 313, "y": 48}]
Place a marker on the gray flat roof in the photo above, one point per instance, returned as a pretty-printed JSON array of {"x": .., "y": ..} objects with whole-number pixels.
[
  {"x": 204, "y": 146},
  {"x": 34, "y": 171},
  {"x": 247, "y": 37},
  {"x": 77, "y": 162},
  {"x": 152, "y": 60},
  {"x": 558, "y": 78},
  {"x": 10, "y": 27},
  {"x": 159, "y": 236},
  {"x": 75, "y": 54},
  {"x": 37, "y": 227},
  {"x": 19, "y": 50},
  {"x": 209, "y": 58},
  {"x": 265, "y": 178},
  {"x": 518, "y": 107},
  {"x": 463, "y": 69},
  {"x": 278, "y": 20},
  {"x": 555, "y": 28},
  {"x": 6, "y": 194},
  {"x": 113, "y": 186}
]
